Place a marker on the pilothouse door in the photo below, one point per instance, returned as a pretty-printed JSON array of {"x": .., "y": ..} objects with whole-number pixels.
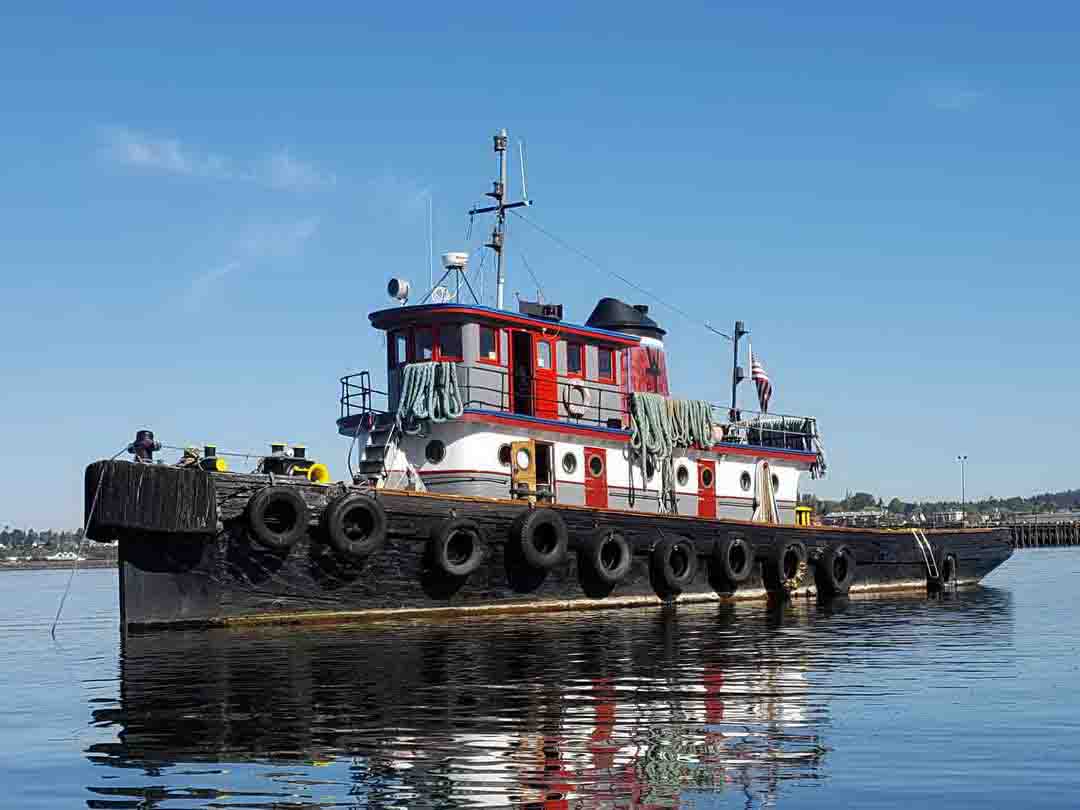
[
  {"x": 521, "y": 384},
  {"x": 545, "y": 379}
]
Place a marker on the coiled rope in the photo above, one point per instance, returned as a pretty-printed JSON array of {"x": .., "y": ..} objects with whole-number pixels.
[
  {"x": 429, "y": 393},
  {"x": 658, "y": 426}
]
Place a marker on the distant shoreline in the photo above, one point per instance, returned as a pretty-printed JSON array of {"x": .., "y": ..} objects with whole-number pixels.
[{"x": 59, "y": 565}]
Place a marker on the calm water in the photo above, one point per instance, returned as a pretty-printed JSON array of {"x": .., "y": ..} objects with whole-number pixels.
[{"x": 968, "y": 700}]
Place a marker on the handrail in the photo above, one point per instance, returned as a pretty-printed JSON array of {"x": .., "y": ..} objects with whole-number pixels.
[{"x": 752, "y": 428}]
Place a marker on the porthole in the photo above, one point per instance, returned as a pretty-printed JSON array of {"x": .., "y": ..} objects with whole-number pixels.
[
  {"x": 744, "y": 481},
  {"x": 523, "y": 458},
  {"x": 569, "y": 463},
  {"x": 706, "y": 477},
  {"x": 682, "y": 475},
  {"x": 435, "y": 451},
  {"x": 504, "y": 455},
  {"x": 596, "y": 466},
  {"x": 775, "y": 483}
]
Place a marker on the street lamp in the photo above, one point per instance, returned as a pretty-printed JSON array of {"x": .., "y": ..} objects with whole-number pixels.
[{"x": 963, "y": 493}]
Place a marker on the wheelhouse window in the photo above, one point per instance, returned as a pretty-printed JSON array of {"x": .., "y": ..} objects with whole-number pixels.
[
  {"x": 575, "y": 359},
  {"x": 543, "y": 354},
  {"x": 424, "y": 343},
  {"x": 605, "y": 365},
  {"x": 489, "y": 345},
  {"x": 397, "y": 348},
  {"x": 449, "y": 342}
]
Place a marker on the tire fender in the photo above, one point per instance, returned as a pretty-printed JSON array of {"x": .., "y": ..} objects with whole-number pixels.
[
  {"x": 673, "y": 565},
  {"x": 607, "y": 555},
  {"x": 542, "y": 537},
  {"x": 734, "y": 558},
  {"x": 355, "y": 525},
  {"x": 835, "y": 571},
  {"x": 457, "y": 546},
  {"x": 277, "y": 517}
]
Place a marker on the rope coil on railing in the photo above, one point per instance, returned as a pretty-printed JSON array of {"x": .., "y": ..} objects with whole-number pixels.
[
  {"x": 429, "y": 393},
  {"x": 659, "y": 425}
]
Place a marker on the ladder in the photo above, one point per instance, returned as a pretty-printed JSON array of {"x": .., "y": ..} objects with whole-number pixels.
[{"x": 927, "y": 552}]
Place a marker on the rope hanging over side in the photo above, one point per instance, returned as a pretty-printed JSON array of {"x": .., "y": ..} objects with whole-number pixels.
[
  {"x": 429, "y": 393},
  {"x": 660, "y": 425}
]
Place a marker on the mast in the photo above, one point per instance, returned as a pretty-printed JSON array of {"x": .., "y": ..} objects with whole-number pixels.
[
  {"x": 737, "y": 374},
  {"x": 498, "y": 230}
]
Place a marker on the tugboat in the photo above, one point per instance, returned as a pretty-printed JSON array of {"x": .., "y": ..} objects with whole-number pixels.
[{"x": 513, "y": 461}]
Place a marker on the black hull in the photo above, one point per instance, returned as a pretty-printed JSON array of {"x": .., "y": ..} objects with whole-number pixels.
[{"x": 186, "y": 557}]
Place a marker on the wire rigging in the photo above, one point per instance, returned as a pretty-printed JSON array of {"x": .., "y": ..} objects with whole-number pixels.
[{"x": 596, "y": 265}]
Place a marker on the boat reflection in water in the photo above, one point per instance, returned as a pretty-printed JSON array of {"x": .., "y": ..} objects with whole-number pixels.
[{"x": 619, "y": 709}]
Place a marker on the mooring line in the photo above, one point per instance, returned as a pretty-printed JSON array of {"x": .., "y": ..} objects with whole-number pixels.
[{"x": 78, "y": 552}]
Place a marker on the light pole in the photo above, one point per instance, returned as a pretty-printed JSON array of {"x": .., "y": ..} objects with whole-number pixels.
[{"x": 963, "y": 493}]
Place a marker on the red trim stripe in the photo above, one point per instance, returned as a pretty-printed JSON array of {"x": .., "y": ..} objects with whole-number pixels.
[{"x": 389, "y": 318}]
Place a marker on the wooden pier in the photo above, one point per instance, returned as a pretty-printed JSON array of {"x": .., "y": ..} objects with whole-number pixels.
[{"x": 1042, "y": 535}]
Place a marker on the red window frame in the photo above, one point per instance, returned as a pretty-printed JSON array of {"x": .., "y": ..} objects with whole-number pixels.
[
  {"x": 497, "y": 360},
  {"x": 600, "y": 377},
  {"x": 570, "y": 345},
  {"x": 411, "y": 344},
  {"x": 438, "y": 352}
]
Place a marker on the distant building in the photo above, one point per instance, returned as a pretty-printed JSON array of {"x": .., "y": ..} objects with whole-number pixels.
[{"x": 1045, "y": 517}]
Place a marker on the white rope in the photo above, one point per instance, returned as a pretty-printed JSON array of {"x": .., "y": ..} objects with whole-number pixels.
[
  {"x": 429, "y": 393},
  {"x": 78, "y": 552},
  {"x": 658, "y": 426}
]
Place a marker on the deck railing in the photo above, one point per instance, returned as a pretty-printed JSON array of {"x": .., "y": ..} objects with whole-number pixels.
[{"x": 489, "y": 389}]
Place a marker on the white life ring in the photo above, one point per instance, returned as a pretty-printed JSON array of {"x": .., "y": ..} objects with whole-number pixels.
[{"x": 576, "y": 399}]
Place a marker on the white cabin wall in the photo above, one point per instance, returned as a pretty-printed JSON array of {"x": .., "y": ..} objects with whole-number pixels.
[{"x": 471, "y": 466}]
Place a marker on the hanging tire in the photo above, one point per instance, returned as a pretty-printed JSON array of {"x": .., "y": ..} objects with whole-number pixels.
[
  {"x": 673, "y": 565},
  {"x": 542, "y": 537},
  {"x": 786, "y": 569},
  {"x": 355, "y": 525},
  {"x": 733, "y": 557},
  {"x": 948, "y": 571},
  {"x": 457, "y": 547},
  {"x": 606, "y": 554},
  {"x": 277, "y": 517},
  {"x": 835, "y": 571}
]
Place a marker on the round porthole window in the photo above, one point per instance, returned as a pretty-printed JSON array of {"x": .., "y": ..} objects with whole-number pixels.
[
  {"x": 596, "y": 466},
  {"x": 504, "y": 455},
  {"x": 775, "y": 483},
  {"x": 706, "y": 477},
  {"x": 682, "y": 475},
  {"x": 523, "y": 459},
  {"x": 569, "y": 463},
  {"x": 744, "y": 481},
  {"x": 435, "y": 451}
]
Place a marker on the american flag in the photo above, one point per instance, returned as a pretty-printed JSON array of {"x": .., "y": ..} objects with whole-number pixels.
[{"x": 761, "y": 380}]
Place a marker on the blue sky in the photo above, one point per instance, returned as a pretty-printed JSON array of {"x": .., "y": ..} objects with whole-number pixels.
[{"x": 200, "y": 209}]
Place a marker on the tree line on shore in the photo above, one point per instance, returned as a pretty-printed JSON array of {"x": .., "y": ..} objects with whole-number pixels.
[
  {"x": 30, "y": 544},
  {"x": 1065, "y": 501}
]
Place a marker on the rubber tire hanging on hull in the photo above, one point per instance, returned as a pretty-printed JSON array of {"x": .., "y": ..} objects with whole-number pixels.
[
  {"x": 673, "y": 566},
  {"x": 457, "y": 546},
  {"x": 277, "y": 517},
  {"x": 948, "y": 572},
  {"x": 542, "y": 536},
  {"x": 835, "y": 571},
  {"x": 732, "y": 561},
  {"x": 785, "y": 568},
  {"x": 607, "y": 556},
  {"x": 355, "y": 525}
]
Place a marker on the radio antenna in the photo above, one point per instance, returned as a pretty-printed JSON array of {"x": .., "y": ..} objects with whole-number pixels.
[{"x": 498, "y": 231}]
